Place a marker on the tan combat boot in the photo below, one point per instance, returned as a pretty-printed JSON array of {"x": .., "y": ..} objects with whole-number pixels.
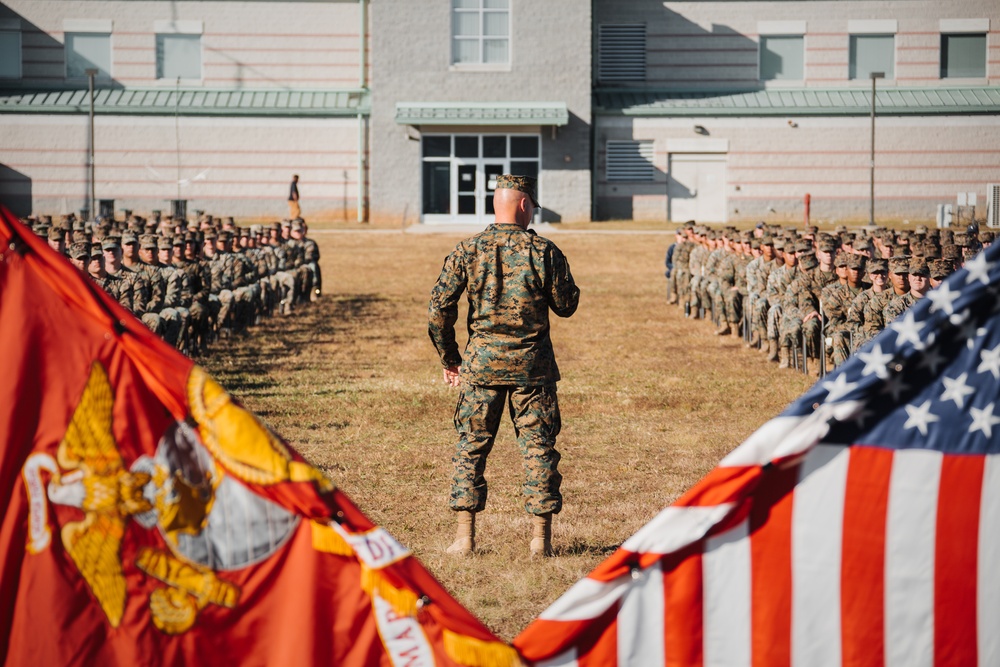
[
  {"x": 772, "y": 349},
  {"x": 754, "y": 339},
  {"x": 735, "y": 330},
  {"x": 783, "y": 356},
  {"x": 541, "y": 535},
  {"x": 465, "y": 534}
]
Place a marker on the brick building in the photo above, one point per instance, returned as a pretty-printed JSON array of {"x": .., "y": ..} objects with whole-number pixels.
[{"x": 716, "y": 110}]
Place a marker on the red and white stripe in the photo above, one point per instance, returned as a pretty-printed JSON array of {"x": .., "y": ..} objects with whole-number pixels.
[{"x": 833, "y": 555}]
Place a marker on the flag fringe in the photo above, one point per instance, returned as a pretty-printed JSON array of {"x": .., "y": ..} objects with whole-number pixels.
[
  {"x": 403, "y": 602},
  {"x": 326, "y": 539},
  {"x": 478, "y": 653}
]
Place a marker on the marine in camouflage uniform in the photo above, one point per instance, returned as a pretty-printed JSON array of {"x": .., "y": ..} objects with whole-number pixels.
[
  {"x": 800, "y": 311},
  {"x": 757, "y": 273},
  {"x": 513, "y": 278},
  {"x": 696, "y": 262},
  {"x": 836, "y": 300},
  {"x": 919, "y": 275},
  {"x": 731, "y": 277},
  {"x": 862, "y": 330},
  {"x": 682, "y": 269},
  {"x": 777, "y": 286}
]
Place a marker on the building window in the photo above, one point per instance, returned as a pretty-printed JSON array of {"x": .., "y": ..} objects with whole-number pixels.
[
  {"x": 782, "y": 58},
  {"x": 10, "y": 54},
  {"x": 872, "y": 53},
  {"x": 178, "y": 56},
  {"x": 629, "y": 161},
  {"x": 621, "y": 53},
  {"x": 460, "y": 170},
  {"x": 88, "y": 50},
  {"x": 480, "y": 32},
  {"x": 963, "y": 55}
]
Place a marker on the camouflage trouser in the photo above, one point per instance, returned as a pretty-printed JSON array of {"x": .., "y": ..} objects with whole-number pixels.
[
  {"x": 773, "y": 320},
  {"x": 683, "y": 285},
  {"x": 758, "y": 315},
  {"x": 535, "y": 414},
  {"x": 694, "y": 293},
  {"x": 841, "y": 346},
  {"x": 734, "y": 304},
  {"x": 714, "y": 301},
  {"x": 792, "y": 330}
]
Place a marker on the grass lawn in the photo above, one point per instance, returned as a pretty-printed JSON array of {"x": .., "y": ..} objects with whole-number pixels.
[{"x": 650, "y": 402}]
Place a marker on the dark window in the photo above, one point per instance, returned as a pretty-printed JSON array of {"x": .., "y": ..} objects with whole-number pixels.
[
  {"x": 963, "y": 56},
  {"x": 437, "y": 146},
  {"x": 494, "y": 146},
  {"x": 466, "y": 146},
  {"x": 437, "y": 187},
  {"x": 524, "y": 146}
]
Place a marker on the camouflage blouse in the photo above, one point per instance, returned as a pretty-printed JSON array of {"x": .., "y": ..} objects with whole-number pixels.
[{"x": 513, "y": 277}]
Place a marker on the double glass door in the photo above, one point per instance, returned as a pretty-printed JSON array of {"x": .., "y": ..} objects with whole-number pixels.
[{"x": 460, "y": 173}]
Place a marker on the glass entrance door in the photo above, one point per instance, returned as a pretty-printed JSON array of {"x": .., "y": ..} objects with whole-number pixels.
[{"x": 460, "y": 173}]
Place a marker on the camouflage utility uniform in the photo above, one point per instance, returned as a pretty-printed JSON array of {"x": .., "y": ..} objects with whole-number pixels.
[{"x": 513, "y": 277}]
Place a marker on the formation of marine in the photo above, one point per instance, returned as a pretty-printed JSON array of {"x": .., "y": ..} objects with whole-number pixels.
[
  {"x": 192, "y": 282},
  {"x": 808, "y": 299}
]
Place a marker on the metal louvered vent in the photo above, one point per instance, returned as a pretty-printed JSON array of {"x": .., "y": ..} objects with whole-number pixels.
[
  {"x": 621, "y": 53},
  {"x": 629, "y": 161},
  {"x": 993, "y": 205}
]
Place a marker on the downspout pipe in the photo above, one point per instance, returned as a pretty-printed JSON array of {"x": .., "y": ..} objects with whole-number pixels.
[{"x": 363, "y": 85}]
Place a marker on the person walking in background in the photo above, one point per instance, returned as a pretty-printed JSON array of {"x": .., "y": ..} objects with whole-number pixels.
[
  {"x": 293, "y": 198},
  {"x": 513, "y": 278}
]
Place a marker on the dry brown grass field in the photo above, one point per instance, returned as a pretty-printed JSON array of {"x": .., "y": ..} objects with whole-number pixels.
[{"x": 650, "y": 402}]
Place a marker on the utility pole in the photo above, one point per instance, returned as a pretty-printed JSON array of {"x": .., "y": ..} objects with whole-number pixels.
[
  {"x": 871, "y": 197},
  {"x": 91, "y": 73}
]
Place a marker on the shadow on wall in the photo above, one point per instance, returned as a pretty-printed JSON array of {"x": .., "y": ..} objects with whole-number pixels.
[
  {"x": 43, "y": 61},
  {"x": 15, "y": 191},
  {"x": 684, "y": 60}
]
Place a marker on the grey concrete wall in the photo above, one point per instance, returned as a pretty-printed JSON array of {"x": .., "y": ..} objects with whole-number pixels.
[
  {"x": 227, "y": 166},
  {"x": 284, "y": 45},
  {"x": 550, "y": 62},
  {"x": 714, "y": 45},
  {"x": 920, "y": 162}
]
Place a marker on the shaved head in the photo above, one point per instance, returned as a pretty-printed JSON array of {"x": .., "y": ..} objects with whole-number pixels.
[{"x": 513, "y": 206}]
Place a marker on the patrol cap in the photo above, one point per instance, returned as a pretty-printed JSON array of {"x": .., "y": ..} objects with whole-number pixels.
[
  {"x": 920, "y": 230},
  {"x": 841, "y": 259},
  {"x": 54, "y": 233},
  {"x": 755, "y": 244},
  {"x": 986, "y": 236},
  {"x": 256, "y": 229},
  {"x": 918, "y": 267},
  {"x": 877, "y": 266},
  {"x": 110, "y": 243},
  {"x": 164, "y": 243},
  {"x": 211, "y": 235},
  {"x": 296, "y": 226},
  {"x": 128, "y": 237},
  {"x": 899, "y": 265},
  {"x": 961, "y": 239},
  {"x": 178, "y": 241},
  {"x": 147, "y": 242},
  {"x": 803, "y": 246},
  {"x": 940, "y": 268},
  {"x": 223, "y": 236},
  {"x": 43, "y": 232},
  {"x": 79, "y": 250},
  {"x": 96, "y": 252},
  {"x": 807, "y": 260},
  {"x": 827, "y": 244},
  {"x": 779, "y": 244},
  {"x": 286, "y": 223},
  {"x": 525, "y": 184},
  {"x": 855, "y": 261},
  {"x": 767, "y": 240}
]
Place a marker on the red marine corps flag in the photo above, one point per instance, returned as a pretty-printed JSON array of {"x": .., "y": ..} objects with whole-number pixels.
[
  {"x": 859, "y": 527},
  {"x": 149, "y": 519}
]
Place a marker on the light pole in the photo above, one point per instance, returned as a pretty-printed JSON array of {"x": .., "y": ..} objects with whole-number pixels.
[
  {"x": 871, "y": 196},
  {"x": 91, "y": 73}
]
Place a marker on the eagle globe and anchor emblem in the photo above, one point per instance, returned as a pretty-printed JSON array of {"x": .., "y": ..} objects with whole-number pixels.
[{"x": 210, "y": 522}]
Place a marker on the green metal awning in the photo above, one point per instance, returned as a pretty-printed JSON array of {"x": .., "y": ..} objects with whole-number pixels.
[
  {"x": 798, "y": 102},
  {"x": 200, "y": 102},
  {"x": 482, "y": 113}
]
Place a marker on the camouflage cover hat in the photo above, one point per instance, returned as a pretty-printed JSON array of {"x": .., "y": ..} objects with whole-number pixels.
[
  {"x": 53, "y": 233},
  {"x": 803, "y": 246},
  {"x": 79, "y": 250},
  {"x": 296, "y": 226},
  {"x": 766, "y": 239},
  {"x": 807, "y": 260},
  {"x": 941, "y": 268},
  {"x": 855, "y": 261},
  {"x": 96, "y": 252},
  {"x": 827, "y": 244},
  {"x": 110, "y": 243},
  {"x": 211, "y": 235},
  {"x": 960, "y": 239},
  {"x": 876, "y": 265},
  {"x": 899, "y": 265},
  {"x": 179, "y": 240},
  {"x": 164, "y": 243},
  {"x": 920, "y": 230},
  {"x": 755, "y": 244},
  {"x": 147, "y": 242},
  {"x": 525, "y": 184},
  {"x": 779, "y": 244},
  {"x": 918, "y": 267},
  {"x": 840, "y": 259}
]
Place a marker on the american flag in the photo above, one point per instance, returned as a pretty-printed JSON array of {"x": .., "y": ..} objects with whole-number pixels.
[{"x": 859, "y": 527}]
